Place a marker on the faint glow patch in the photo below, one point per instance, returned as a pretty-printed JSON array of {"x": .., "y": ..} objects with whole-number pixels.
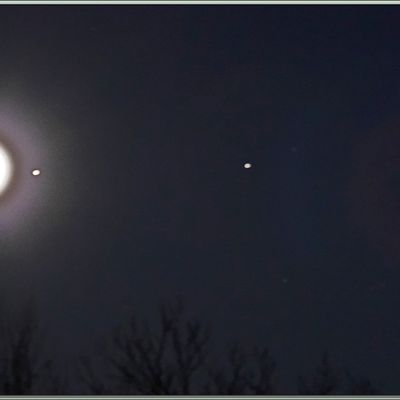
[
  {"x": 247, "y": 165},
  {"x": 36, "y": 172},
  {"x": 5, "y": 169}
]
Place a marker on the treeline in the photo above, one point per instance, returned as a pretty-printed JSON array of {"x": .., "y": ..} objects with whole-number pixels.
[{"x": 173, "y": 355}]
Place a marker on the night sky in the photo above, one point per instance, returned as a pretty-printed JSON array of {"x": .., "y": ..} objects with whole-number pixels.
[{"x": 141, "y": 119}]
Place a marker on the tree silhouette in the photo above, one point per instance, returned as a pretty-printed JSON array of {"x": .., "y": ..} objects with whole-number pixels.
[
  {"x": 244, "y": 373},
  {"x": 161, "y": 360},
  {"x": 324, "y": 382},
  {"x": 327, "y": 380},
  {"x": 173, "y": 355},
  {"x": 361, "y": 386},
  {"x": 23, "y": 367}
]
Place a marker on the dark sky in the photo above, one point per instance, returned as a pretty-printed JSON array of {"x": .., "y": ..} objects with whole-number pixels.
[{"x": 150, "y": 113}]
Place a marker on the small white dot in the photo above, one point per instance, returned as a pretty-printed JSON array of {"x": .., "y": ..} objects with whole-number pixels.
[
  {"x": 36, "y": 172},
  {"x": 247, "y": 165}
]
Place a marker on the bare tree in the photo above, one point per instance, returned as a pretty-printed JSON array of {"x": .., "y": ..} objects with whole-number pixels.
[
  {"x": 158, "y": 360},
  {"x": 244, "y": 373},
  {"x": 173, "y": 357},
  {"x": 170, "y": 357},
  {"x": 90, "y": 377},
  {"x": 360, "y": 386},
  {"x": 23, "y": 367},
  {"x": 325, "y": 381},
  {"x": 263, "y": 379},
  {"x": 231, "y": 377}
]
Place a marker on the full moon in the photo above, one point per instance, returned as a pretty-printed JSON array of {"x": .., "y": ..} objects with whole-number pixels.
[
  {"x": 247, "y": 165},
  {"x": 36, "y": 172},
  {"x": 5, "y": 169}
]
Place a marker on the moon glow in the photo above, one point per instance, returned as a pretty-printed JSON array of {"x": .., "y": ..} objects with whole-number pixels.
[
  {"x": 6, "y": 168},
  {"x": 24, "y": 147}
]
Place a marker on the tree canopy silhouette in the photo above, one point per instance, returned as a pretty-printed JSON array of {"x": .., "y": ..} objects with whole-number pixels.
[
  {"x": 172, "y": 354},
  {"x": 24, "y": 366}
]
